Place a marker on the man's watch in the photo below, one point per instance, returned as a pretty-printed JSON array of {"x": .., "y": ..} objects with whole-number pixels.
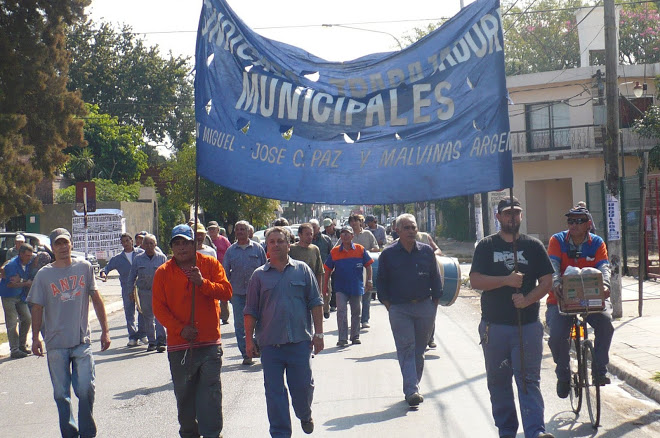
[{"x": 318, "y": 335}]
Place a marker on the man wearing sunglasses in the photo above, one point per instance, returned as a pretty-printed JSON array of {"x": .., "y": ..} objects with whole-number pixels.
[{"x": 580, "y": 248}]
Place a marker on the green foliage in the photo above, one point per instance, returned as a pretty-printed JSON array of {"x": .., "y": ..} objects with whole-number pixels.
[
  {"x": 38, "y": 116},
  {"x": 639, "y": 29},
  {"x": 455, "y": 218},
  {"x": 649, "y": 127},
  {"x": 169, "y": 216},
  {"x": 106, "y": 190},
  {"x": 114, "y": 148},
  {"x": 115, "y": 70}
]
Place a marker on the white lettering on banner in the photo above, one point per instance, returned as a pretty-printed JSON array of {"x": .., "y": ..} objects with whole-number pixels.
[
  {"x": 613, "y": 218},
  {"x": 218, "y": 139}
]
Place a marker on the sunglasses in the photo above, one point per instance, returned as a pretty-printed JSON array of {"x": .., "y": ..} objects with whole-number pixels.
[{"x": 577, "y": 221}]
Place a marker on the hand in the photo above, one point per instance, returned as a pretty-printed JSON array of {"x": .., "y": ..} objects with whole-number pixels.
[
  {"x": 14, "y": 280},
  {"x": 519, "y": 301},
  {"x": 103, "y": 276},
  {"x": 369, "y": 286},
  {"x": 325, "y": 292},
  {"x": 558, "y": 291},
  {"x": 105, "y": 340},
  {"x": 195, "y": 275},
  {"x": 250, "y": 348},
  {"x": 317, "y": 344},
  {"x": 515, "y": 279},
  {"x": 607, "y": 292},
  {"x": 37, "y": 348},
  {"x": 189, "y": 333}
]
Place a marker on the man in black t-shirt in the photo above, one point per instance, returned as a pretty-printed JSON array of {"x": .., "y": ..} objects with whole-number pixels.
[{"x": 511, "y": 292}]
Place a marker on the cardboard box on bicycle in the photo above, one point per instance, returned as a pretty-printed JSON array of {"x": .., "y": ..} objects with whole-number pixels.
[{"x": 582, "y": 291}]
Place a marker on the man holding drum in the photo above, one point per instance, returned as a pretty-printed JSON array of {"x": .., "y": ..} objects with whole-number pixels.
[{"x": 409, "y": 285}]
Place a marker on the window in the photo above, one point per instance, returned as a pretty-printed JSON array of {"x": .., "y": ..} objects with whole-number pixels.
[{"x": 547, "y": 126}]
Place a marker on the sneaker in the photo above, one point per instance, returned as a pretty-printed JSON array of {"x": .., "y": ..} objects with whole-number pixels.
[
  {"x": 144, "y": 340},
  {"x": 151, "y": 347},
  {"x": 25, "y": 350},
  {"x": 132, "y": 343},
  {"x": 343, "y": 343},
  {"x": 432, "y": 344},
  {"x": 563, "y": 388},
  {"x": 602, "y": 380},
  {"x": 365, "y": 325},
  {"x": 248, "y": 361},
  {"x": 333, "y": 308},
  {"x": 18, "y": 354},
  {"x": 160, "y": 348},
  {"x": 326, "y": 315},
  {"x": 414, "y": 399},
  {"x": 307, "y": 426},
  {"x": 356, "y": 340},
  {"x": 225, "y": 322}
]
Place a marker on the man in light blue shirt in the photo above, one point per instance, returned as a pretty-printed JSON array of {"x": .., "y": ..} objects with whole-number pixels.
[
  {"x": 240, "y": 261},
  {"x": 282, "y": 299}
]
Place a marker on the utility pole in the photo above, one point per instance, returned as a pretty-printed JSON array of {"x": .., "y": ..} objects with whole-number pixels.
[{"x": 611, "y": 152}]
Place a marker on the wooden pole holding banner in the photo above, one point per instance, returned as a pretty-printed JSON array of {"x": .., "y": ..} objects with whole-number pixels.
[{"x": 518, "y": 311}]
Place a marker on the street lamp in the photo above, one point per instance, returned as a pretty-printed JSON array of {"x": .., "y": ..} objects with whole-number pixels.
[
  {"x": 366, "y": 30},
  {"x": 638, "y": 89}
]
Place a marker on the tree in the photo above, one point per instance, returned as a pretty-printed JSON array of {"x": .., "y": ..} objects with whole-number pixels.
[
  {"x": 106, "y": 190},
  {"x": 649, "y": 127},
  {"x": 133, "y": 82},
  {"x": 114, "y": 148},
  {"x": 39, "y": 117},
  {"x": 639, "y": 30}
]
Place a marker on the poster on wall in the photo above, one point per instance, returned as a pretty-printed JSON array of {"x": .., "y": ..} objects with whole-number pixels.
[{"x": 104, "y": 232}]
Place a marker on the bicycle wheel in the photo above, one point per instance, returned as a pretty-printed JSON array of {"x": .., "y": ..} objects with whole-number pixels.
[
  {"x": 591, "y": 387},
  {"x": 575, "y": 363}
]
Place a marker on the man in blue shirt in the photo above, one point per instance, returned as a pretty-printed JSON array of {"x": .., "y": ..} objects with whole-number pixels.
[
  {"x": 13, "y": 290},
  {"x": 282, "y": 300},
  {"x": 409, "y": 285},
  {"x": 240, "y": 261}
]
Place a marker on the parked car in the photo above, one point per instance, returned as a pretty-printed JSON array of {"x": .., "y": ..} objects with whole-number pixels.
[{"x": 39, "y": 242}]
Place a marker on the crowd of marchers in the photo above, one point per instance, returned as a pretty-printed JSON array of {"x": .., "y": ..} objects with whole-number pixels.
[{"x": 280, "y": 292}]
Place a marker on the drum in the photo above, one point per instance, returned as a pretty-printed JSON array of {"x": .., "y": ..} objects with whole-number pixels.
[{"x": 451, "y": 279}]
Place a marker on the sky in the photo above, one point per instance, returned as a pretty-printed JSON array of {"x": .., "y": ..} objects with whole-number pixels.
[{"x": 172, "y": 24}]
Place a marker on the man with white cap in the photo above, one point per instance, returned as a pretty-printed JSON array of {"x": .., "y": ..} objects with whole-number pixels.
[
  {"x": 60, "y": 296},
  {"x": 13, "y": 251}
]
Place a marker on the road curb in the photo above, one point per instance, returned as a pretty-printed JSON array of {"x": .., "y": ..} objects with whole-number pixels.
[
  {"x": 109, "y": 309},
  {"x": 630, "y": 374}
]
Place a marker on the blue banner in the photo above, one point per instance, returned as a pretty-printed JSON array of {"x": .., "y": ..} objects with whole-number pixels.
[{"x": 427, "y": 122}]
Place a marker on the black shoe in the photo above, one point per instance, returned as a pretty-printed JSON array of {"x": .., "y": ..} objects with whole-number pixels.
[
  {"x": 25, "y": 350},
  {"x": 432, "y": 344},
  {"x": 307, "y": 426},
  {"x": 160, "y": 348},
  {"x": 225, "y": 322},
  {"x": 342, "y": 343},
  {"x": 326, "y": 315},
  {"x": 602, "y": 380},
  {"x": 248, "y": 361},
  {"x": 333, "y": 308},
  {"x": 18, "y": 354},
  {"x": 356, "y": 340},
  {"x": 151, "y": 347},
  {"x": 414, "y": 399},
  {"x": 563, "y": 388}
]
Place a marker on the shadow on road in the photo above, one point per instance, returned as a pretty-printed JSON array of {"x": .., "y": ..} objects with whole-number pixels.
[
  {"x": 143, "y": 391},
  {"x": 397, "y": 410}
]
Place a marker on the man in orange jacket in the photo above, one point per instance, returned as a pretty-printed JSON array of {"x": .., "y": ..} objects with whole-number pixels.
[{"x": 193, "y": 343}]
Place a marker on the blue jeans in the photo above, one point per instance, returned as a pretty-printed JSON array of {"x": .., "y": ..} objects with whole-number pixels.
[
  {"x": 154, "y": 330},
  {"x": 295, "y": 359},
  {"x": 238, "y": 304},
  {"x": 560, "y": 329},
  {"x": 411, "y": 327},
  {"x": 501, "y": 347},
  {"x": 17, "y": 313},
  {"x": 136, "y": 330},
  {"x": 73, "y": 366},
  {"x": 366, "y": 304},
  {"x": 198, "y": 390},
  {"x": 343, "y": 300}
]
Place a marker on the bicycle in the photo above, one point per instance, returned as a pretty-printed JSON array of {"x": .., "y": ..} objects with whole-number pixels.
[{"x": 583, "y": 367}]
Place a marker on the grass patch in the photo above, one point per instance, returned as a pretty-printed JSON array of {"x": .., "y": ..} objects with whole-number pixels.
[
  {"x": 655, "y": 378},
  {"x": 3, "y": 338}
]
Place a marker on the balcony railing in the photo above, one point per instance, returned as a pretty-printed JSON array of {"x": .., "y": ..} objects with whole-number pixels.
[{"x": 573, "y": 139}]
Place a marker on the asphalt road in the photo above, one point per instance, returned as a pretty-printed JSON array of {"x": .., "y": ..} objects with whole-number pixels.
[{"x": 358, "y": 390}]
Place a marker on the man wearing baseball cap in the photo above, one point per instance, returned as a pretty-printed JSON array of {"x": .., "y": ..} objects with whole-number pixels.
[
  {"x": 193, "y": 343},
  {"x": 60, "y": 295},
  {"x": 514, "y": 272},
  {"x": 13, "y": 251}
]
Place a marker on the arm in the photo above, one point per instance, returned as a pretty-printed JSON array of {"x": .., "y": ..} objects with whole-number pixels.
[
  {"x": 489, "y": 282},
  {"x": 435, "y": 247},
  {"x": 383, "y": 285},
  {"x": 317, "y": 317},
  {"x": 108, "y": 268},
  {"x": 370, "y": 281},
  {"x": 37, "y": 315},
  {"x": 132, "y": 275},
  {"x": 216, "y": 286},
  {"x": 99, "y": 308},
  {"x": 521, "y": 301},
  {"x": 251, "y": 349},
  {"x": 326, "y": 279},
  {"x": 161, "y": 309}
]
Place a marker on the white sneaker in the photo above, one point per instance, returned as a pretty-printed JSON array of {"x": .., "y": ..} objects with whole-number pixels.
[
  {"x": 144, "y": 341},
  {"x": 132, "y": 343}
]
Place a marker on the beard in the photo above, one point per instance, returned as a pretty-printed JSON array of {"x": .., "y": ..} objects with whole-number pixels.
[{"x": 510, "y": 228}]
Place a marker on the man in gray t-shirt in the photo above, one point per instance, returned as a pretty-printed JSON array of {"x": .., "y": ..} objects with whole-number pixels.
[{"x": 60, "y": 295}]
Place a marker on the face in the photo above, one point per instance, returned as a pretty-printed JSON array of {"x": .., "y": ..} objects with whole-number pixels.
[
  {"x": 278, "y": 245},
  {"x": 306, "y": 236},
  {"x": 407, "y": 229},
  {"x": 355, "y": 224},
  {"x": 18, "y": 243},
  {"x": 241, "y": 232},
  {"x": 183, "y": 250},
  {"x": 371, "y": 224},
  {"x": 138, "y": 240},
  {"x": 127, "y": 243},
  {"x": 25, "y": 257},
  {"x": 510, "y": 220},
  {"x": 316, "y": 228},
  {"x": 199, "y": 237},
  {"x": 214, "y": 232},
  {"x": 578, "y": 224},
  {"x": 330, "y": 229},
  {"x": 149, "y": 246},
  {"x": 346, "y": 237},
  {"x": 62, "y": 249}
]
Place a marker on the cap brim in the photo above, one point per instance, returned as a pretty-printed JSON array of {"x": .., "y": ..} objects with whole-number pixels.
[
  {"x": 515, "y": 207},
  {"x": 183, "y": 236},
  {"x": 67, "y": 238}
]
